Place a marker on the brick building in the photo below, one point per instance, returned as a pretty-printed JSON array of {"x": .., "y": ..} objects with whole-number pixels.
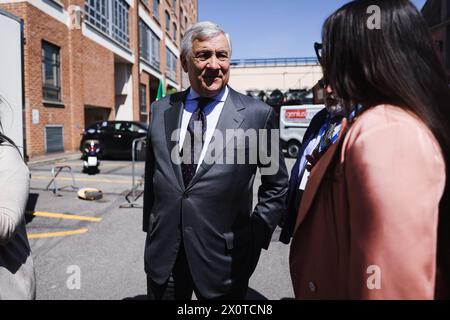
[
  {"x": 89, "y": 60},
  {"x": 437, "y": 15}
]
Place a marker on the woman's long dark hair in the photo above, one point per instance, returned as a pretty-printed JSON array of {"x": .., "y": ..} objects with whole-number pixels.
[{"x": 396, "y": 64}]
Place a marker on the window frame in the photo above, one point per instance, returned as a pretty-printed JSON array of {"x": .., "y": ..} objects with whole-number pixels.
[
  {"x": 143, "y": 99},
  {"x": 167, "y": 17},
  {"x": 149, "y": 45},
  {"x": 171, "y": 64},
  {"x": 156, "y": 4},
  {"x": 110, "y": 17},
  {"x": 55, "y": 66},
  {"x": 174, "y": 31}
]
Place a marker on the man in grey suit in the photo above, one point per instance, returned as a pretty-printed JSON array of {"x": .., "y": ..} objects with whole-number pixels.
[{"x": 202, "y": 234}]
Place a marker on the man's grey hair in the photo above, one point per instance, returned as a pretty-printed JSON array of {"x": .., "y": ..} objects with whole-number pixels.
[{"x": 200, "y": 31}]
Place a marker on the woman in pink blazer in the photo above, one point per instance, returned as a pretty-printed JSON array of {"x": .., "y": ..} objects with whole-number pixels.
[{"x": 373, "y": 221}]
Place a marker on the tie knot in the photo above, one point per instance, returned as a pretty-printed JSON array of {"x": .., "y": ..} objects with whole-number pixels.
[{"x": 203, "y": 102}]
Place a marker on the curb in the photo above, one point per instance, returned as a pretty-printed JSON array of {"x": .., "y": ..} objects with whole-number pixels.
[{"x": 54, "y": 159}]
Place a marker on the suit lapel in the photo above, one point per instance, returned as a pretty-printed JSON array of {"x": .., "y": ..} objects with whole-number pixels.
[
  {"x": 317, "y": 174},
  {"x": 172, "y": 122},
  {"x": 230, "y": 118}
]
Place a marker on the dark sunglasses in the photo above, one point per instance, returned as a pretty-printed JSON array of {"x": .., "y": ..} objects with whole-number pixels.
[
  {"x": 322, "y": 83},
  {"x": 318, "y": 48}
]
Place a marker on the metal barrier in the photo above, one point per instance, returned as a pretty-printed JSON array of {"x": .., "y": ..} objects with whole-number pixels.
[
  {"x": 56, "y": 170},
  {"x": 274, "y": 62},
  {"x": 137, "y": 149}
]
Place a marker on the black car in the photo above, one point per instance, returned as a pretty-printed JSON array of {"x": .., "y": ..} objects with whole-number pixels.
[
  {"x": 294, "y": 97},
  {"x": 307, "y": 97},
  {"x": 115, "y": 137},
  {"x": 257, "y": 94}
]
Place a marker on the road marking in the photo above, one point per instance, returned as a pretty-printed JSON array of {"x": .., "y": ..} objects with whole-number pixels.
[
  {"x": 108, "y": 165},
  {"x": 81, "y": 179},
  {"x": 56, "y": 234},
  {"x": 65, "y": 216}
]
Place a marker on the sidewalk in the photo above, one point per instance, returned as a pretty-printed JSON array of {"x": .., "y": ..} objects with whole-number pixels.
[{"x": 54, "y": 157}]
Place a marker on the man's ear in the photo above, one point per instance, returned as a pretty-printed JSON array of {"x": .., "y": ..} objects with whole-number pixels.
[{"x": 184, "y": 64}]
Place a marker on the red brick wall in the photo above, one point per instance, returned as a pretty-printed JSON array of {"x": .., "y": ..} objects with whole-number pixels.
[
  {"x": 37, "y": 27},
  {"x": 87, "y": 77},
  {"x": 98, "y": 75},
  {"x": 87, "y": 71},
  {"x": 42, "y": 27}
]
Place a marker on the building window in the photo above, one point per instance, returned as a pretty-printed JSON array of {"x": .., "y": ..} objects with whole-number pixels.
[
  {"x": 174, "y": 4},
  {"x": 149, "y": 45},
  {"x": 120, "y": 22},
  {"x": 167, "y": 21},
  {"x": 109, "y": 17},
  {"x": 144, "y": 44},
  {"x": 51, "y": 73},
  {"x": 143, "y": 99},
  {"x": 143, "y": 117},
  {"x": 155, "y": 50},
  {"x": 183, "y": 22},
  {"x": 174, "y": 31},
  {"x": 171, "y": 65},
  {"x": 97, "y": 13},
  {"x": 156, "y": 9}
]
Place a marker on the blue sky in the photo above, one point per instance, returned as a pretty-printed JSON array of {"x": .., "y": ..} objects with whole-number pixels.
[{"x": 272, "y": 29}]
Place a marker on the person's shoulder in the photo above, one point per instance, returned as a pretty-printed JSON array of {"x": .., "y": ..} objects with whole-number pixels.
[
  {"x": 319, "y": 117},
  {"x": 8, "y": 152},
  {"x": 169, "y": 100},
  {"x": 392, "y": 125},
  {"x": 10, "y": 157},
  {"x": 385, "y": 116}
]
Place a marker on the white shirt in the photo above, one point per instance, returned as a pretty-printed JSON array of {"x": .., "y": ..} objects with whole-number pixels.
[
  {"x": 309, "y": 150},
  {"x": 212, "y": 111}
]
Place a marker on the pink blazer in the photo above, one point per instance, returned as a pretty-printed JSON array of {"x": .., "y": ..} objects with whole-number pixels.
[{"x": 367, "y": 224}]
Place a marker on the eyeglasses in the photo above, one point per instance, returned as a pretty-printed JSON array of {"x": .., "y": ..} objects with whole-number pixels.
[{"x": 318, "y": 48}]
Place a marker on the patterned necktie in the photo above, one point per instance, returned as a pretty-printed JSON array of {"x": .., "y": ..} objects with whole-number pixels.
[
  {"x": 329, "y": 136},
  {"x": 194, "y": 140}
]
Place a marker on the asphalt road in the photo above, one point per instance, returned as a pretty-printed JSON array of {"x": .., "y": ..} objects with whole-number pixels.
[{"x": 94, "y": 249}]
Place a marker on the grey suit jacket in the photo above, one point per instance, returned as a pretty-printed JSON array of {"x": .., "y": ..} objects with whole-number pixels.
[{"x": 213, "y": 215}]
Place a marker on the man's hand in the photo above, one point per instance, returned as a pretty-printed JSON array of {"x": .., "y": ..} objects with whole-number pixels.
[{"x": 312, "y": 159}]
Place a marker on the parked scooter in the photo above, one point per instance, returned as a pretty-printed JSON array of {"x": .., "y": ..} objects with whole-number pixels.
[{"x": 90, "y": 156}]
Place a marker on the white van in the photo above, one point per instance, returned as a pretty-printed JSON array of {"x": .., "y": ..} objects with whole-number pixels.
[{"x": 294, "y": 120}]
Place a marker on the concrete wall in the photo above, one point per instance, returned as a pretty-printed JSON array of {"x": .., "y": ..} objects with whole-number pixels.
[{"x": 270, "y": 78}]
